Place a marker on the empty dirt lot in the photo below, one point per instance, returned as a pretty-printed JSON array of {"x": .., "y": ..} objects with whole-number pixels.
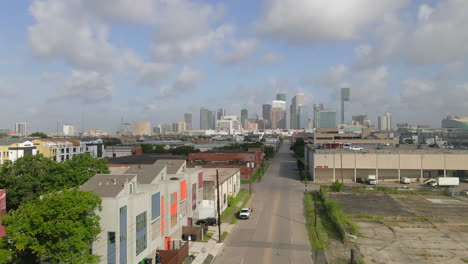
[{"x": 408, "y": 228}]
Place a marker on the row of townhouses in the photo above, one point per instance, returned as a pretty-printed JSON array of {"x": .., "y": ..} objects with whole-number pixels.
[
  {"x": 145, "y": 206},
  {"x": 57, "y": 149}
]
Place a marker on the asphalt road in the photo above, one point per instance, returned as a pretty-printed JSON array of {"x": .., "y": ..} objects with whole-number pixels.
[{"x": 275, "y": 232}]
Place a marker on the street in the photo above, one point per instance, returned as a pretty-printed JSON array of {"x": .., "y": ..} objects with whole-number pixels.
[{"x": 275, "y": 232}]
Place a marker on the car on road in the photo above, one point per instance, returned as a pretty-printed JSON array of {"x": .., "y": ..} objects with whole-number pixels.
[
  {"x": 244, "y": 213},
  {"x": 359, "y": 180},
  {"x": 210, "y": 221},
  {"x": 356, "y": 148}
]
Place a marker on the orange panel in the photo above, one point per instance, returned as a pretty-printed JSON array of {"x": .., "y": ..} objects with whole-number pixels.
[
  {"x": 162, "y": 216},
  {"x": 174, "y": 203},
  {"x": 183, "y": 190}
]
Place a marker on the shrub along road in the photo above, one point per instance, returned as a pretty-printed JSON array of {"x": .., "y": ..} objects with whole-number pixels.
[{"x": 275, "y": 232}]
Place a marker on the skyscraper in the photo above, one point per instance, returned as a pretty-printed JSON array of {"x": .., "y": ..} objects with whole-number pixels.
[
  {"x": 126, "y": 129},
  {"x": 326, "y": 119},
  {"x": 206, "y": 119},
  {"x": 68, "y": 130},
  {"x": 359, "y": 120},
  {"x": 385, "y": 122},
  {"x": 141, "y": 128},
  {"x": 266, "y": 115},
  {"x": 278, "y": 118},
  {"x": 244, "y": 117},
  {"x": 297, "y": 101},
  {"x": 221, "y": 112},
  {"x": 281, "y": 97},
  {"x": 345, "y": 93},
  {"x": 21, "y": 129},
  {"x": 188, "y": 120}
]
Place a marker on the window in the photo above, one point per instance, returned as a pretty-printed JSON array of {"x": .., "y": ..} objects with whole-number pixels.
[
  {"x": 155, "y": 205},
  {"x": 111, "y": 248},
  {"x": 225, "y": 198},
  {"x": 141, "y": 234}
]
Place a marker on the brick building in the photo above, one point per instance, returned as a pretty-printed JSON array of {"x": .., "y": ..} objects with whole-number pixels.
[{"x": 228, "y": 159}]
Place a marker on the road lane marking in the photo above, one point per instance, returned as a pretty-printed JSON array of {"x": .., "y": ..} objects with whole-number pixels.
[{"x": 273, "y": 228}]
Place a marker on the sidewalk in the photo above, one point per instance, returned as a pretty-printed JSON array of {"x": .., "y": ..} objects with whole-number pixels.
[{"x": 202, "y": 249}]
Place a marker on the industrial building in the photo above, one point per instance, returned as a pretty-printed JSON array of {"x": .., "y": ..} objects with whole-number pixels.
[
  {"x": 141, "y": 128},
  {"x": 388, "y": 164}
]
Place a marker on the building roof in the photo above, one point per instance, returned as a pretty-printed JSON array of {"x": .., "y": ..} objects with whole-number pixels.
[
  {"x": 144, "y": 159},
  {"x": 74, "y": 141},
  {"x": 8, "y": 141},
  {"x": 107, "y": 185},
  {"x": 173, "y": 166},
  {"x": 146, "y": 173},
  {"x": 458, "y": 118},
  {"x": 209, "y": 174}
]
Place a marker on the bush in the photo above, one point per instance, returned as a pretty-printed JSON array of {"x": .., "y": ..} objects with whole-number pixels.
[{"x": 337, "y": 186}]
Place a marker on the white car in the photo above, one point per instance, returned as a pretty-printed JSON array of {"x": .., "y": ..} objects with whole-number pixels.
[
  {"x": 405, "y": 180},
  {"x": 244, "y": 213},
  {"x": 356, "y": 148}
]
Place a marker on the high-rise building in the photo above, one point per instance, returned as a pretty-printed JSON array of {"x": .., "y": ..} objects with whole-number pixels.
[
  {"x": 165, "y": 128},
  {"x": 304, "y": 117},
  {"x": 345, "y": 97},
  {"x": 385, "y": 122},
  {"x": 188, "y": 120},
  {"x": 297, "y": 101},
  {"x": 278, "y": 118},
  {"x": 69, "y": 130},
  {"x": 281, "y": 97},
  {"x": 229, "y": 123},
  {"x": 324, "y": 118},
  {"x": 266, "y": 115},
  {"x": 181, "y": 127},
  {"x": 207, "y": 119},
  {"x": 126, "y": 129},
  {"x": 244, "y": 117},
  {"x": 141, "y": 128},
  {"x": 21, "y": 129},
  {"x": 221, "y": 112}
]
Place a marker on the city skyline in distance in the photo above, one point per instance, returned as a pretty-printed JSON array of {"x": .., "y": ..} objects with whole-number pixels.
[{"x": 220, "y": 56}]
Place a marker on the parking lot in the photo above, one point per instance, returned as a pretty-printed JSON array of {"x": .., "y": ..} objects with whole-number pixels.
[{"x": 409, "y": 228}]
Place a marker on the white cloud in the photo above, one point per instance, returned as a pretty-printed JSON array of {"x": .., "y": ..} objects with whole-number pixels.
[
  {"x": 63, "y": 30},
  {"x": 304, "y": 21},
  {"x": 152, "y": 74},
  {"x": 272, "y": 59},
  {"x": 87, "y": 87},
  {"x": 186, "y": 81},
  {"x": 241, "y": 50},
  {"x": 185, "y": 49}
]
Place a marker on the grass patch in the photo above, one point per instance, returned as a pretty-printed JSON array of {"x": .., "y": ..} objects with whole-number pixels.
[
  {"x": 465, "y": 260},
  {"x": 208, "y": 235},
  {"x": 232, "y": 205},
  {"x": 315, "y": 231},
  {"x": 224, "y": 235}
]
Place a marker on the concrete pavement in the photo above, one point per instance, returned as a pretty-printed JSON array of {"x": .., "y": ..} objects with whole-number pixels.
[{"x": 276, "y": 232}]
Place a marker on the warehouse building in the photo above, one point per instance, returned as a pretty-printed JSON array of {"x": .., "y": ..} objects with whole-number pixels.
[{"x": 388, "y": 164}]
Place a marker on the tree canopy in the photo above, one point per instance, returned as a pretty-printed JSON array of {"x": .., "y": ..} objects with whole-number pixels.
[
  {"x": 31, "y": 176},
  {"x": 58, "y": 228},
  {"x": 38, "y": 134}
]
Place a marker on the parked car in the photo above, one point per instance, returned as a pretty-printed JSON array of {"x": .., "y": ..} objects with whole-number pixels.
[
  {"x": 244, "y": 213},
  {"x": 379, "y": 146},
  {"x": 405, "y": 180},
  {"x": 356, "y": 148},
  {"x": 211, "y": 221},
  {"x": 359, "y": 180}
]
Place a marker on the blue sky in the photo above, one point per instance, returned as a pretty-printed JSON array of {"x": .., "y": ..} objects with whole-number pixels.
[{"x": 156, "y": 59}]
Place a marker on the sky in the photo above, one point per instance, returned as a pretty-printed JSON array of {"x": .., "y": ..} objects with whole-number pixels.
[{"x": 154, "y": 60}]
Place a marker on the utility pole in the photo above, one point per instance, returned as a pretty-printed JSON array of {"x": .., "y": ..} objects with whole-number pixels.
[
  {"x": 341, "y": 170},
  {"x": 219, "y": 213}
]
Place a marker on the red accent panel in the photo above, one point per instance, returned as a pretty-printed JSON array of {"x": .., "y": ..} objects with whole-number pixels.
[
  {"x": 174, "y": 204},
  {"x": 183, "y": 190},
  {"x": 200, "y": 180},
  {"x": 2, "y": 210}
]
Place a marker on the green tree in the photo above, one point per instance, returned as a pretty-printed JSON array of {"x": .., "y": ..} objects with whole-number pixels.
[
  {"x": 269, "y": 151},
  {"x": 159, "y": 149},
  {"x": 2, "y": 135},
  {"x": 184, "y": 150},
  {"x": 31, "y": 176},
  {"x": 337, "y": 186},
  {"x": 57, "y": 228},
  {"x": 111, "y": 141},
  {"x": 409, "y": 141},
  {"x": 146, "y": 148},
  {"x": 38, "y": 134}
]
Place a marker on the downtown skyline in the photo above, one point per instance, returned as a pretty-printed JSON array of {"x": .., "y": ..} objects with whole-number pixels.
[{"x": 141, "y": 62}]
